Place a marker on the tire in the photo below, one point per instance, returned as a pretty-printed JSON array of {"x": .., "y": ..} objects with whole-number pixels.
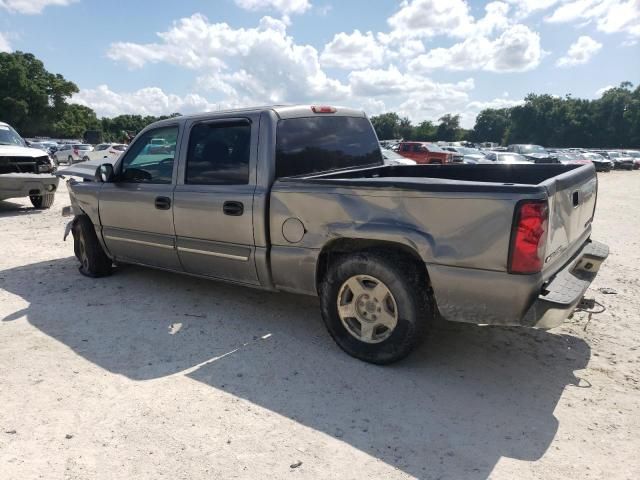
[
  {"x": 85, "y": 159},
  {"x": 42, "y": 202},
  {"x": 408, "y": 299},
  {"x": 93, "y": 260},
  {"x": 70, "y": 160}
]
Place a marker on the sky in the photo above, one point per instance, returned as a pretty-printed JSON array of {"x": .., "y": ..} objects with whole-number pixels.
[{"x": 420, "y": 58}]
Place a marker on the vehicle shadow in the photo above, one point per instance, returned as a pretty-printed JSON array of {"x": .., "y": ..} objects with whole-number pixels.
[
  {"x": 469, "y": 396},
  {"x": 10, "y": 209}
]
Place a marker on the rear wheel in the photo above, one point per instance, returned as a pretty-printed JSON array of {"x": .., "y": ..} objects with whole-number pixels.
[
  {"x": 376, "y": 307},
  {"x": 42, "y": 201},
  {"x": 93, "y": 260},
  {"x": 85, "y": 159}
]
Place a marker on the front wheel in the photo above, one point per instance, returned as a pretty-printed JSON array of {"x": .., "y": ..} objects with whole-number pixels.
[
  {"x": 93, "y": 260},
  {"x": 376, "y": 307},
  {"x": 42, "y": 201}
]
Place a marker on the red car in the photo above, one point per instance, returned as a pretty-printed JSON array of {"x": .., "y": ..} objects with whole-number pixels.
[{"x": 425, "y": 153}]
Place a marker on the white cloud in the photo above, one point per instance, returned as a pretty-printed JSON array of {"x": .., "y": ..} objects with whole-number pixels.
[
  {"x": 146, "y": 101},
  {"x": 5, "y": 46},
  {"x": 610, "y": 16},
  {"x": 428, "y": 18},
  {"x": 524, "y": 8},
  {"x": 580, "y": 52},
  {"x": 261, "y": 64},
  {"x": 285, "y": 7},
  {"x": 352, "y": 51},
  {"x": 601, "y": 91},
  {"x": 517, "y": 49},
  {"x": 32, "y": 7}
]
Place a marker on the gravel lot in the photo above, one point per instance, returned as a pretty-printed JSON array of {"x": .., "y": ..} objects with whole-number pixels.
[{"x": 147, "y": 374}]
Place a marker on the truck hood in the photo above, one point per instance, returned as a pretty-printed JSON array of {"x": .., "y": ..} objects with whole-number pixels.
[{"x": 16, "y": 151}]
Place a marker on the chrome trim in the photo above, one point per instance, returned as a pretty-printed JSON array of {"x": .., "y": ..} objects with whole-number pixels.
[
  {"x": 139, "y": 242},
  {"x": 213, "y": 254}
]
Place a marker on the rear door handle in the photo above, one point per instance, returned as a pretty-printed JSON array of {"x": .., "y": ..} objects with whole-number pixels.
[
  {"x": 163, "y": 203},
  {"x": 235, "y": 209}
]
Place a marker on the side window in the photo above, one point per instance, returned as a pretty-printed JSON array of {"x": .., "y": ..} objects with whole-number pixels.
[
  {"x": 101, "y": 147},
  {"x": 406, "y": 147},
  {"x": 150, "y": 158},
  {"x": 417, "y": 147},
  {"x": 219, "y": 154}
]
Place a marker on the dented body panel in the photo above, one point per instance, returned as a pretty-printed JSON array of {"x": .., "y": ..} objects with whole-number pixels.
[{"x": 457, "y": 220}]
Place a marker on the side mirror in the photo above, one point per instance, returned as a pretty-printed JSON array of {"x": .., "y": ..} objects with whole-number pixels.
[{"x": 104, "y": 173}]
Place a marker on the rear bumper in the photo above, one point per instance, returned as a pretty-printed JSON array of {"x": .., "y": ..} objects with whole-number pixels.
[
  {"x": 499, "y": 298},
  {"x": 562, "y": 294}
]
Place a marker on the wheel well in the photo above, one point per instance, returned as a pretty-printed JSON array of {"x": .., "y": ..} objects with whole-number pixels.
[{"x": 345, "y": 246}]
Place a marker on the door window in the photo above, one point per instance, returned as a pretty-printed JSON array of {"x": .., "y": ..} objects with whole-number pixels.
[
  {"x": 418, "y": 148},
  {"x": 150, "y": 158},
  {"x": 219, "y": 154},
  {"x": 406, "y": 147}
]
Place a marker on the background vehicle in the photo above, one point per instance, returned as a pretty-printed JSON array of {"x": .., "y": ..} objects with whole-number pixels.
[
  {"x": 425, "y": 153},
  {"x": 635, "y": 154},
  {"x": 105, "y": 151},
  {"x": 505, "y": 157},
  {"x": 620, "y": 160},
  {"x": 298, "y": 199},
  {"x": 469, "y": 155},
  {"x": 393, "y": 158},
  {"x": 24, "y": 171},
  {"x": 601, "y": 163},
  {"x": 536, "y": 153},
  {"x": 72, "y": 153}
]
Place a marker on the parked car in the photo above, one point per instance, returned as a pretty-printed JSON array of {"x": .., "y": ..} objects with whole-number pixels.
[
  {"x": 425, "y": 153},
  {"x": 536, "y": 153},
  {"x": 71, "y": 153},
  {"x": 506, "y": 157},
  {"x": 570, "y": 158},
  {"x": 635, "y": 154},
  {"x": 105, "y": 151},
  {"x": 298, "y": 199},
  {"x": 393, "y": 158},
  {"x": 619, "y": 159},
  {"x": 601, "y": 163},
  {"x": 469, "y": 155},
  {"x": 25, "y": 171}
]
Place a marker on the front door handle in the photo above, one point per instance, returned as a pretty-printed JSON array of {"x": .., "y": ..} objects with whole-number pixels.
[
  {"x": 163, "y": 203},
  {"x": 235, "y": 209}
]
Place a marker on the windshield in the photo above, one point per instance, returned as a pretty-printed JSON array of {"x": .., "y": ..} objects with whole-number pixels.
[
  {"x": 633, "y": 154},
  {"x": 469, "y": 151},
  {"x": 432, "y": 147},
  {"x": 8, "y": 136},
  {"x": 316, "y": 144}
]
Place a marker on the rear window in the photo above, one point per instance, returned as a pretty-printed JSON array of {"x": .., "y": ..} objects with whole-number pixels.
[
  {"x": 316, "y": 144},
  {"x": 82, "y": 147}
]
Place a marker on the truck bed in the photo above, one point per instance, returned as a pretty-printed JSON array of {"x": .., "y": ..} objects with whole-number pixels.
[{"x": 535, "y": 178}]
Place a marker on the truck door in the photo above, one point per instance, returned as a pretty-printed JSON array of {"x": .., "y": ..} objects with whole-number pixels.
[
  {"x": 213, "y": 201},
  {"x": 136, "y": 210}
]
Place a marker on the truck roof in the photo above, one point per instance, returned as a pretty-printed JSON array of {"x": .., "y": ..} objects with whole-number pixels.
[{"x": 283, "y": 111}]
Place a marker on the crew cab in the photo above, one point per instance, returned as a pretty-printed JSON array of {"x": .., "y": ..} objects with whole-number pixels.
[
  {"x": 298, "y": 199},
  {"x": 426, "y": 153}
]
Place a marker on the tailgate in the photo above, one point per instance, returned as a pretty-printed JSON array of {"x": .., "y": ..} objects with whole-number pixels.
[{"x": 572, "y": 200}]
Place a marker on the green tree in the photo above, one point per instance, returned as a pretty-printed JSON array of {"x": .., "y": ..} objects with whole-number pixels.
[
  {"x": 31, "y": 98},
  {"x": 386, "y": 125},
  {"x": 426, "y": 131},
  {"x": 448, "y": 128},
  {"x": 75, "y": 120},
  {"x": 491, "y": 125}
]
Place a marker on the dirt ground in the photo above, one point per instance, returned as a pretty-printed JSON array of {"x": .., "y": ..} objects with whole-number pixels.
[{"x": 147, "y": 374}]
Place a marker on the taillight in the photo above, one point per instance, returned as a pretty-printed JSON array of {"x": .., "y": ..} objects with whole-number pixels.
[
  {"x": 529, "y": 237},
  {"x": 75, "y": 151},
  {"x": 323, "y": 109}
]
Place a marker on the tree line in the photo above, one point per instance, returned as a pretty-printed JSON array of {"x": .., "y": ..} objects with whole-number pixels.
[
  {"x": 613, "y": 120},
  {"x": 35, "y": 102}
]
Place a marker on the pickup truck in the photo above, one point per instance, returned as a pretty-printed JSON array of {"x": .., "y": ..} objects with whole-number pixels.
[
  {"x": 24, "y": 171},
  {"x": 298, "y": 199}
]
